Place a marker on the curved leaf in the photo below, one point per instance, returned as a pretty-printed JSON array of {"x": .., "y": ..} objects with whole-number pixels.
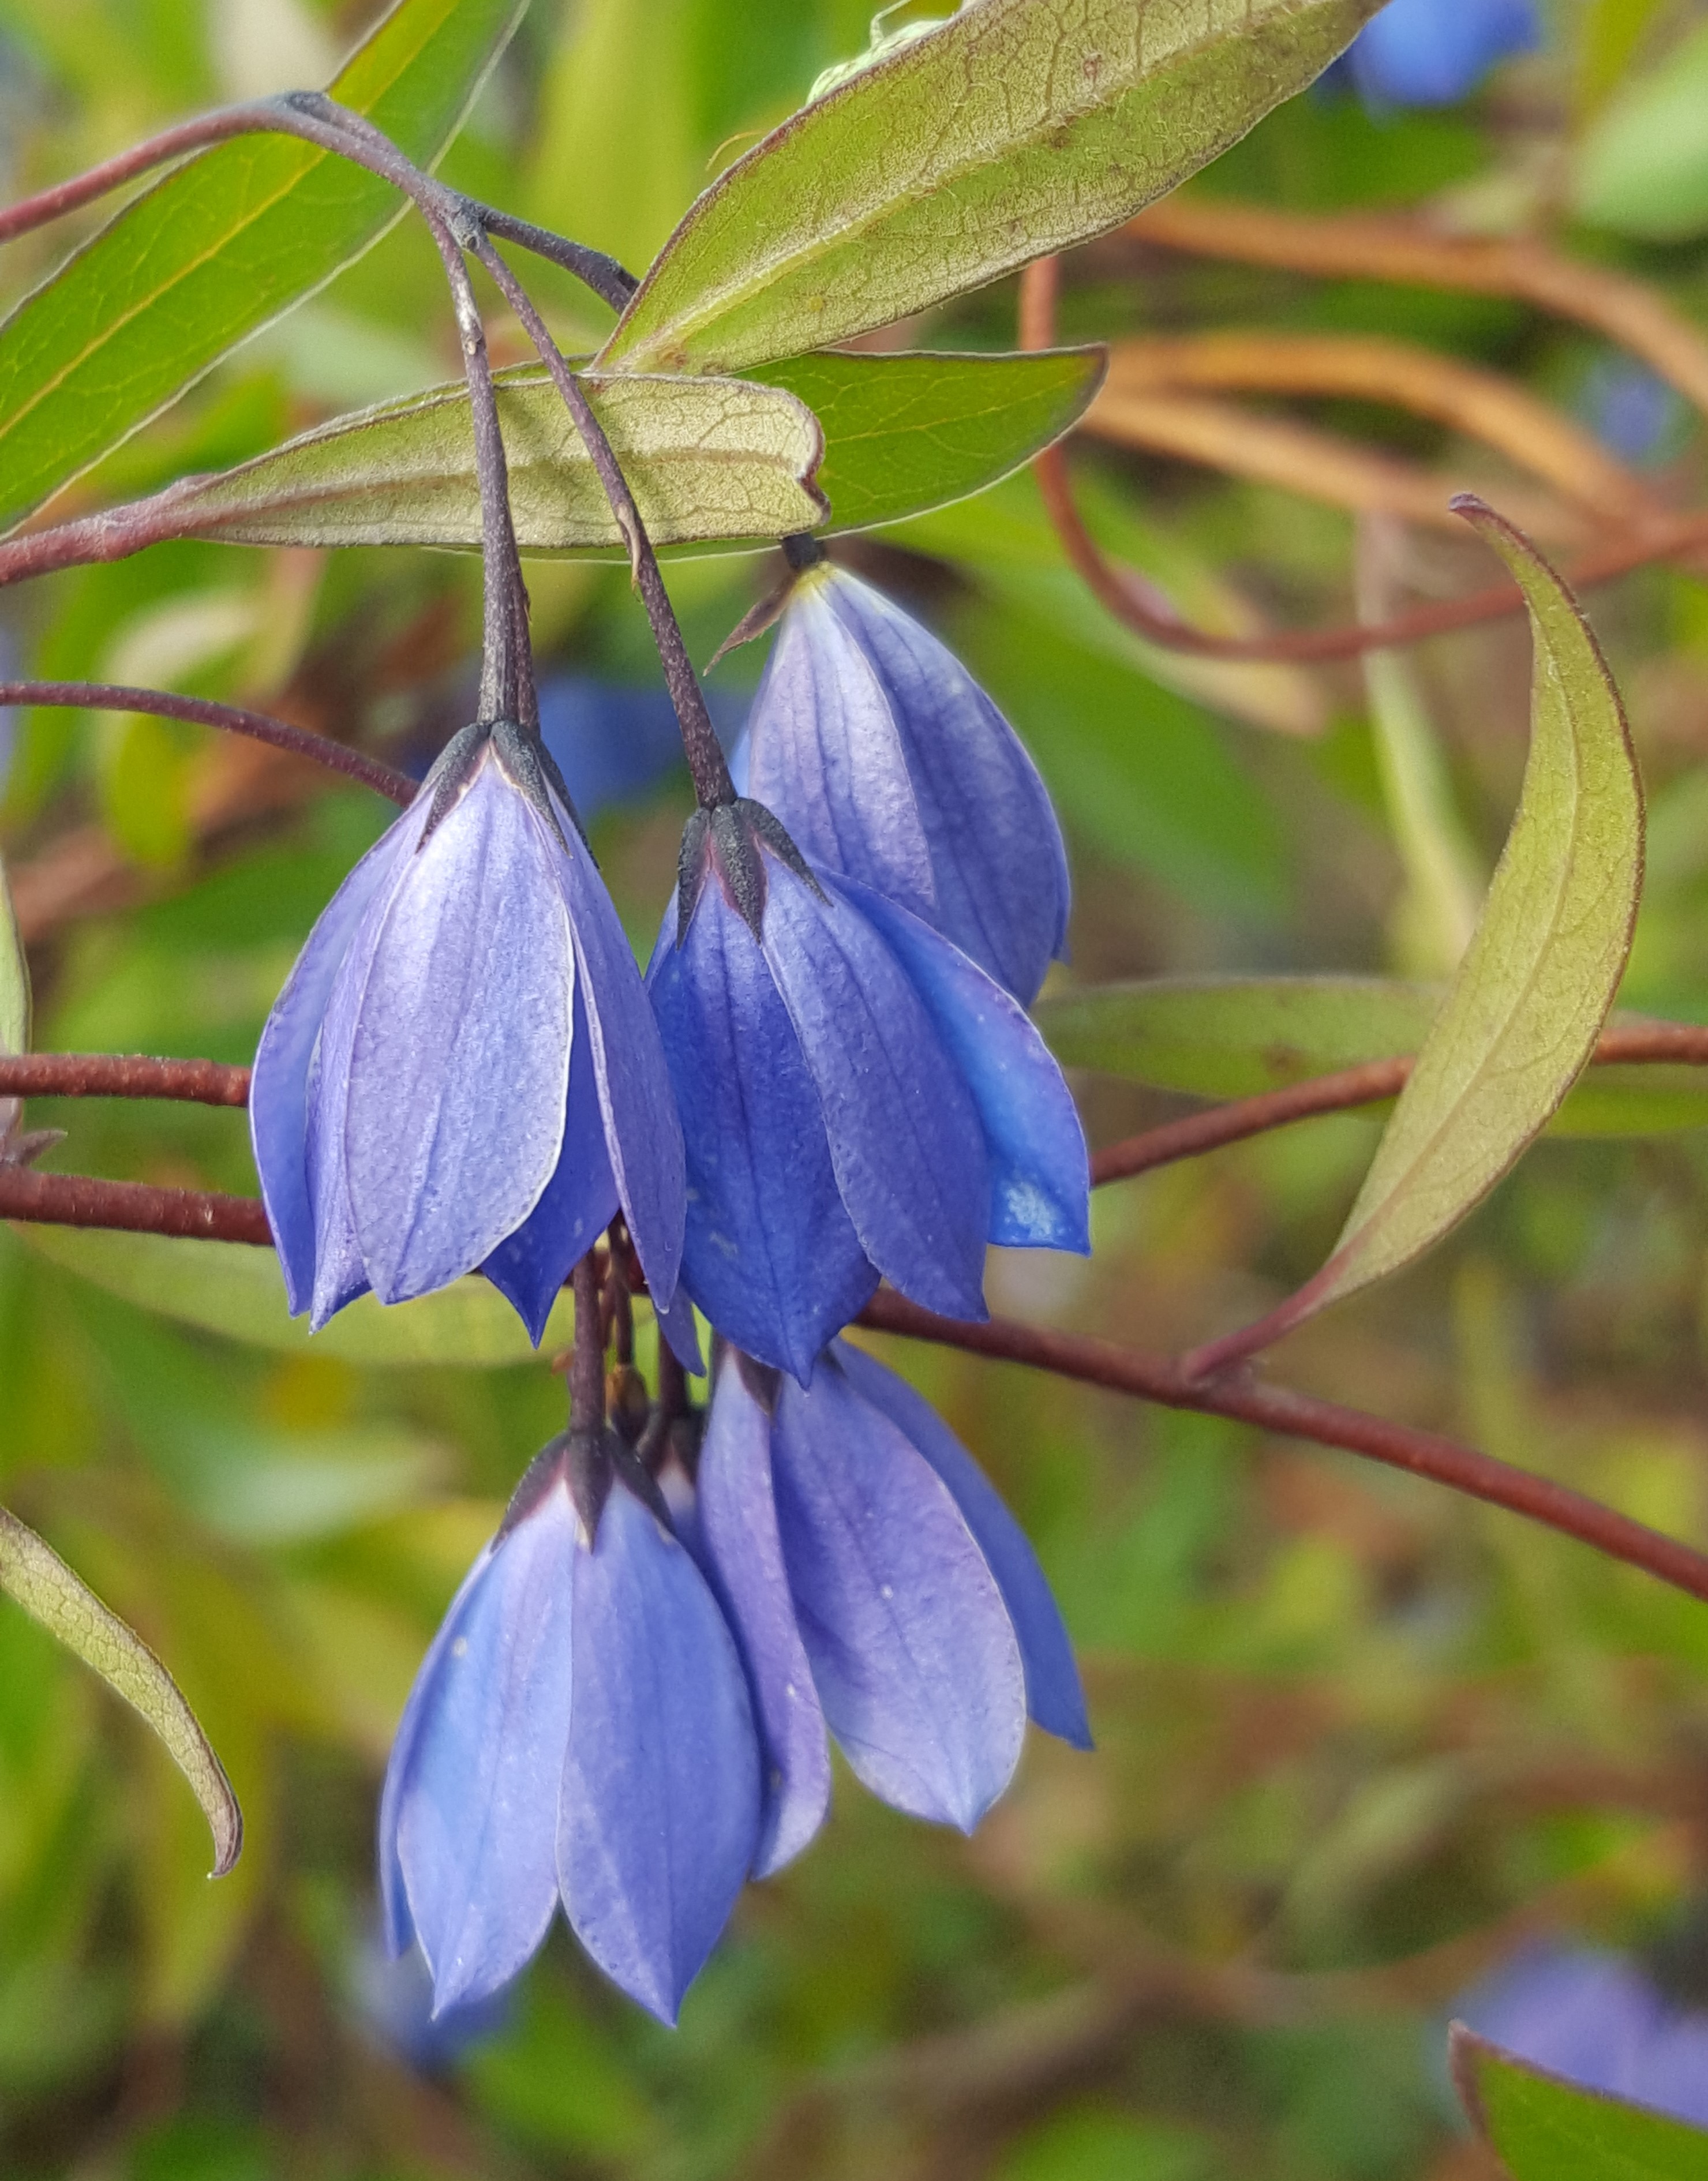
[
  {"x": 232, "y": 1288},
  {"x": 1522, "y": 1015},
  {"x": 1544, "y": 2129},
  {"x": 222, "y": 245},
  {"x": 14, "y": 977},
  {"x": 1018, "y": 128},
  {"x": 33, "y": 1574},
  {"x": 704, "y": 458}
]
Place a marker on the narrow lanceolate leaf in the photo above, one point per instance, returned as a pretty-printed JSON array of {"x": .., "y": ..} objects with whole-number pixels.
[
  {"x": 709, "y": 460},
  {"x": 36, "y": 1576},
  {"x": 1543, "y": 2128},
  {"x": 14, "y": 978},
  {"x": 1524, "y": 1013},
  {"x": 712, "y": 458},
  {"x": 1020, "y": 127},
  {"x": 218, "y": 248}
]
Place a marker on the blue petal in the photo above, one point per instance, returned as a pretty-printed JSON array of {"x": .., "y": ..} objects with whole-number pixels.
[
  {"x": 1054, "y": 1698},
  {"x": 469, "y": 1820},
  {"x": 1040, "y": 1173},
  {"x": 913, "y": 1654},
  {"x": 770, "y": 1255},
  {"x": 742, "y": 1554},
  {"x": 459, "y": 1068},
  {"x": 824, "y": 755},
  {"x": 278, "y": 1089},
  {"x": 998, "y": 862},
  {"x": 643, "y": 1133},
  {"x": 659, "y": 1809},
  {"x": 1435, "y": 53},
  {"x": 677, "y": 1325},
  {"x": 580, "y": 1200},
  {"x": 905, "y": 1137}
]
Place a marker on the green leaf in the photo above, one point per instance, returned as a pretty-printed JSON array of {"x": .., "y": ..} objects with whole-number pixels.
[
  {"x": 704, "y": 458},
  {"x": 907, "y": 434},
  {"x": 1546, "y": 2129},
  {"x": 1522, "y": 1015},
  {"x": 1236, "y": 1037},
  {"x": 33, "y": 1574},
  {"x": 218, "y": 248},
  {"x": 708, "y": 459},
  {"x": 1643, "y": 166},
  {"x": 14, "y": 977},
  {"x": 232, "y": 1288},
  {"x": 1019, "y": 128}
]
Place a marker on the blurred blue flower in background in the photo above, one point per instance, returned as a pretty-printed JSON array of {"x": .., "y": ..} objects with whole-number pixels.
[
  {"x": 392, "y": 2000},
  {"x": 580, "y": 1729},
  {"x": 1435, "y": 53},
  {"x": 1633, "y": 413},
  {"x": 878, "y": 1588},
  {"x": 613, "y": 741},
  {"x": 1596, "y": 2019}
]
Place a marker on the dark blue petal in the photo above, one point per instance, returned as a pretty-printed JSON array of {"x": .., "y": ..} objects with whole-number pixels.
[
  {"x": 1040, "y": 1173},
  {"x": 904, "y": 1136},
  {"x": 643, "y": 1133},
  {"x": 459, "y": 1068},
  {"x": 1435, "y": 53},
  {"x": 659, "y": 1816},
  {"x": 580, "y": 1200},
  {"x": 678, "y": 1326},
  {"x": 997, "y": 859},
  {"x": 279, "y": 1088},
  {"x": 913, "y": 1653},
  {"x": 1054, "y": 1698},
  {"x": 770, "y": 1255},
  {"x": 742, "y": 1555},
  {"x": 468, "y": 1820},
  {"x": 824, "y": 755}
]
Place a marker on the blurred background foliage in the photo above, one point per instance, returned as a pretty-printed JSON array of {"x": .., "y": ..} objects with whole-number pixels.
[{"x": 1355, "y": 1739}]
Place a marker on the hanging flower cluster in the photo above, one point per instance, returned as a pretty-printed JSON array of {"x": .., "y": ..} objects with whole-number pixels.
[{"x": 828, "y": 1078}]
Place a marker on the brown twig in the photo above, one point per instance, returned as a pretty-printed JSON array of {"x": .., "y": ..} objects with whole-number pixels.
[
  {"x": 121, "y": 1075},
  {"x": 231, "y": 719},
  {"x": 1244, "y": 1400},
  {"x": 131, "y": 1207},
  {"x": 1145, "y": 610}
]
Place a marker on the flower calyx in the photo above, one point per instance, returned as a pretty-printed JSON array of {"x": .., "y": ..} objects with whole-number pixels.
[{"x": 732, "y": 840}]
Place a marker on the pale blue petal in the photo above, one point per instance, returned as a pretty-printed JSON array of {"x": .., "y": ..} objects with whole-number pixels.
[
  {"x": 279, "y": 1088},
  {"x": 459, "y": 1069},
  {"x": 905, "y": 1137},
  {"x": 470, "y": 1810},
  {"x": 824, "y": 756},
  {"x": 999, "y": 867},
  {"x": 913, "y": 1654},
  {"x": 580, "y": 1200},
  {"x": 1054, "y": 1697},
  {"x": 1040, "y": 1172},
  {"x": 770, "y": 1255},
  {"x": 740, "y": 1548},
  {"x": 643, "y": 1133},
  {"x": 658, "y": 1815}
]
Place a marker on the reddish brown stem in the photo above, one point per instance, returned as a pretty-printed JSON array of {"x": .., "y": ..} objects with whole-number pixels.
[
  {"x": 231, "y": 719},
  {"x": 121, "y": 1075},
  {"x": 1162, "y": 1379},
  {"x": 78, "y": 1199},
  {"x": 1147, "y": 610}
]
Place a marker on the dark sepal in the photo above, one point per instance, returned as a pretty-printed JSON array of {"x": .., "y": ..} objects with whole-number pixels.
[
  {"x": 530, "y": 765},
  {"x": 732, "y": 838},
  {"x": 450, "y": 775},
  {"x": 550, "y": 1466}
]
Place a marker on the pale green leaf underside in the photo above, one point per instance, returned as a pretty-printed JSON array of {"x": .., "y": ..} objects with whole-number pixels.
[
  {"x": 14, "y": 978},
  {"x": 1235, "y": 1037},
  {"x": 35, "y": 1575},
  {"x": 1020, "y": 128},
  {"x": 220, "y": 247},
  {"x": 1522, "y": 1014},
  {"x": 1546, "y": 2129},
  {"x": 232, "y": 1288},
  {"x": 709, "y": 461},
  {"x": 704, "y": 458}
]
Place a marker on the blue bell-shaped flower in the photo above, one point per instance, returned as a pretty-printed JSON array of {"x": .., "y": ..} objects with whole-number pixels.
[
  {"x": 888, "y": 764},
  {"x": 580, "y": 1729},
  {"x": 462, "y": 1070},
  {"x": 877, "y": 1587},
  {"x": 857, "y": 1099},
  {"x": 1435, "y": 53}
]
